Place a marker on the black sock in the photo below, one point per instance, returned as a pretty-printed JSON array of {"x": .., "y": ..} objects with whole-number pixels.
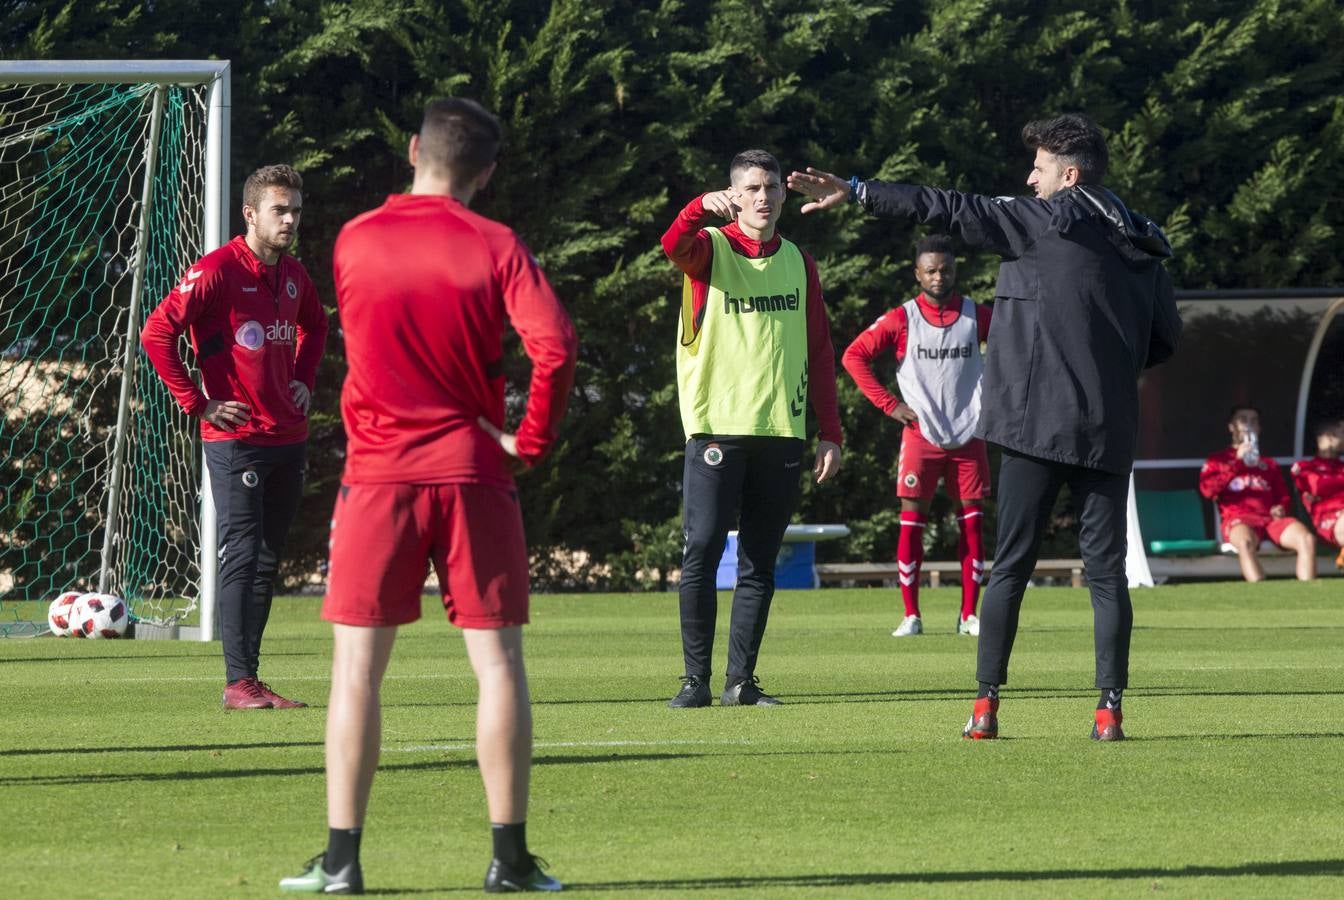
[
  {"x": 987, "y": 691},
  {"x": 1110, "y": 698},
  {"x": 510, "y": 843},
  {"x": 342, "y": 848}
]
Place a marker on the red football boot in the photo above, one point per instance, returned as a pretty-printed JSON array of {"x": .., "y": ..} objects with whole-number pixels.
[
  {"x": 984, "y": 722},
  {"x": 276, "y": 700},
  {"x": 1107, "y": 726},
  {"x": 246, "y": 693}
]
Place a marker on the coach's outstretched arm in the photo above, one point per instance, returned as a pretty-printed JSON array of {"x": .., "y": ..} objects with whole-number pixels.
[{"x": 1005, "y": 225}]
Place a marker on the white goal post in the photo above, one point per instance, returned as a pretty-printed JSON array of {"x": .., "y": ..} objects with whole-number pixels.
[{"x": 89, "y": 231}]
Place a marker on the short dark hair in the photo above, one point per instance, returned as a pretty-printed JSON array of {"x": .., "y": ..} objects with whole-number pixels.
[
  {"x": 1075, "y": 139},
  {"x": 933, "y": 243},
  {"x": 268, "y": 177},
  {"x": 754, "y": 159},
  {"x": 1326, "y": 423},
  {"x": 1238, "y": 407},
  {"x": 459, "y": 138}
]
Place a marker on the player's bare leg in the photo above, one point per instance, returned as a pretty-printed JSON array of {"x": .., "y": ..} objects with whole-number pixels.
[
  {"x": 504, "y": 752},
  {"x": 354, "y": 719},
  {"x": 1298, "y": 538},
  {"x": 1339, "y": 542},
  {"x": 503, "y": 720},
  {"x": 354, "y": 731},
  {"x": 1243, "y": 539}
]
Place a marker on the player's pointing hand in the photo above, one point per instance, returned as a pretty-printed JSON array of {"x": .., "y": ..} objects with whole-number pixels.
[
  {"x": 722, "y": 203},
  {"x": 825, "y": 189}
]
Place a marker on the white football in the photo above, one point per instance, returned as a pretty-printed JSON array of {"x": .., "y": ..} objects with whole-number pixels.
[
  {"x": 58, "y": 614},
  {"x": 99, "y": 616}
]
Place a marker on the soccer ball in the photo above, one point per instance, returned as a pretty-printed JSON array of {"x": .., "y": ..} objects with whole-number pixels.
[
  {"x": 99, "y": 616},
  {"x": 58, "y": 614}
]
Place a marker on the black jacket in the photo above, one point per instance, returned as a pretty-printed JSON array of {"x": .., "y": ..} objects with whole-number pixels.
[{"x": 1083, "y": 304}]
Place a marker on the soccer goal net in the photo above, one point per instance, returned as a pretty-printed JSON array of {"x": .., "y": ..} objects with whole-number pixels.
[{"x": 110, "y": 187}]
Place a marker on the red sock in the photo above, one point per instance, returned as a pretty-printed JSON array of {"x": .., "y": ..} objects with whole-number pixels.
[
  {"x": 971, "y": 551},
  {"x": 909, "y": 557}
]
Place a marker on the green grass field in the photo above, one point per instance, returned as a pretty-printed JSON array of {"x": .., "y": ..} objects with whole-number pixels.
[{"x": 120, "y": 776}]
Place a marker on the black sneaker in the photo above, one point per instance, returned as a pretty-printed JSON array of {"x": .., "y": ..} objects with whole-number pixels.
[
  {"x": 746, "y": 693},
  {"x": 501, "y": 879},
  {"x": 694, "y": 693}
]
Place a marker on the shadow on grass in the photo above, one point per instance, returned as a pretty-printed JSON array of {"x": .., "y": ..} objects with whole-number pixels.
[
  {"x": 169, "y": 748},
  {"x": 1293, "y": 868},
  {"x": 385, "y": 768}
]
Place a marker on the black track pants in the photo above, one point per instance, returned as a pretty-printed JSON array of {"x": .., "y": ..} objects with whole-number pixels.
[
  {"x": 256, "y": 491},
  {"x": 1027, "y": 488},
  {"x": 756, "y": 480}
]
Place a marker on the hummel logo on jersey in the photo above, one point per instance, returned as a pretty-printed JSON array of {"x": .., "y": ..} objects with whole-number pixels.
[
  {"x": 939, "y": 353},
  {"x": 799, "y": 401},
  {"x": 189, "y": 280},
  {"x": 772, "y": 303},
  {"x": 249, "y": 290}
]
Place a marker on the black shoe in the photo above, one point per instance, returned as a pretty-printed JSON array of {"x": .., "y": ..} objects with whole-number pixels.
[
  {"x": 746, "y": 693},
  {"x": 501, "y": 879},
  {"x": 694, "y": 693}
]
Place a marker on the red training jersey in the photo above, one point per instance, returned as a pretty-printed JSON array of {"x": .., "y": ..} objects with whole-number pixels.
[
  {"x": 254, "y": 329},
  {"x": 1320, "y": 482},
  {"x": 690, "y": 249},
  {"x": 425, "y": 289},
  {"x": 1240, "y": 490},
  {"x": 888, "y": 333}
]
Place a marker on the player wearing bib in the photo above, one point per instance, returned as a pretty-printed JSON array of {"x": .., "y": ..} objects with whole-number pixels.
[
  {"x": 1320, "y": 483},
  {"x": 1252, "y": 499},
  {"x": 258, "y": 330},
  {"x": 426, "y": 290},
  {"x": 935, "y": 339},
  {"x": 754, "y": 351}
]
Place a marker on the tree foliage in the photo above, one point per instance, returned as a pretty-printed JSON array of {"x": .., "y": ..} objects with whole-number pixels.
[{"x": 1225, "y": 120}]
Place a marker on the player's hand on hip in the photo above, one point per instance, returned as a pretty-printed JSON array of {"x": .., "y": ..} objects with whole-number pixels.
[
  {"x": 298, "y": 392},
  {"x": 722, "y": 203},
  {"x": 904, "y": 414},
  {"x": 507, "y": 441},
  {"x": 828, "y": 461},
  {"x": 824, "y": 189},
  {"x": 226, "y": 415},
  {"x": 1277, "y": 512}
]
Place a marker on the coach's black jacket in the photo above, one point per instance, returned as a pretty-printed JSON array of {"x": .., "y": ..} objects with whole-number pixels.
[{"x": 1083, "y": 304}]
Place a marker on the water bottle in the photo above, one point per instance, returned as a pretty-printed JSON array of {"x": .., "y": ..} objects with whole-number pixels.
[{"x": 1252, "y": 456}]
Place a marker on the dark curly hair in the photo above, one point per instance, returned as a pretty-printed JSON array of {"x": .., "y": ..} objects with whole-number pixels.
[{"x": 1075, "y": 139}]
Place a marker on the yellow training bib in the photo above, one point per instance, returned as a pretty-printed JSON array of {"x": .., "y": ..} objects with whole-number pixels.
[{"x": 742, "y": 369}]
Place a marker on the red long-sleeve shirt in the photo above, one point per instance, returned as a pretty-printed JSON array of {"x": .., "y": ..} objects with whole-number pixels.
[
  {"x": 1242, "y": 491},
  {"x": 888, "y": 333},
  {"x": 426, "y": 289},
  {"x": 1320, "y": 482},
  {"x": 690, "y": 249},
  {"x": 254, "y": 329}
]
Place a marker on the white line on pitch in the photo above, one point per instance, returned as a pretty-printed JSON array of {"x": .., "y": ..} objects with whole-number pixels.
[
  {"x": 559, "y": 745},
  {"x": 427, "y": 676}
]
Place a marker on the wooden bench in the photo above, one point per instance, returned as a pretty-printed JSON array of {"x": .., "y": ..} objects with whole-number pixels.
[{"x": 841, "y": 573}]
